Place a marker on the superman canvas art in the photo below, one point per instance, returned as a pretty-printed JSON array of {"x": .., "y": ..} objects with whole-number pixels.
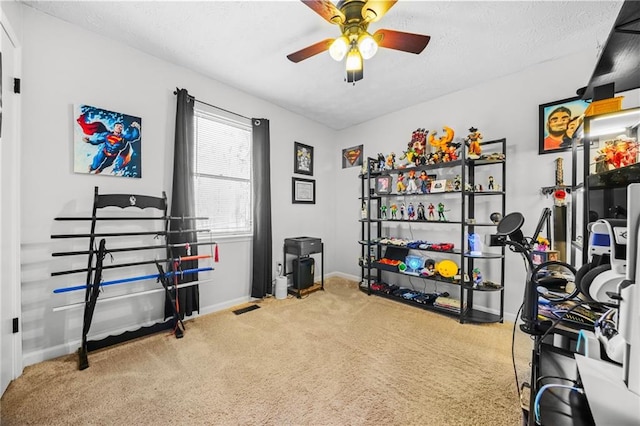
[{"x": 107, "y": 142}]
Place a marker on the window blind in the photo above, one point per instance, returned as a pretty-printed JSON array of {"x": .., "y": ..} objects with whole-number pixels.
[{"x": 223, "y": 172}]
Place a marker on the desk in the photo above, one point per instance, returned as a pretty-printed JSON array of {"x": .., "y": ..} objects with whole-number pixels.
[
  {"x": 606, "y": 401},
  {"x": 558, "y": 406},
  {"x": 610, "y": 401},
  {"x": 303, "y": 246}
]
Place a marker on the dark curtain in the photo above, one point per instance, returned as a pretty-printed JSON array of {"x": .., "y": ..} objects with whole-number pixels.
[
  {"x": 262, "y": 264},
  {"x": 183, "y": 204}
]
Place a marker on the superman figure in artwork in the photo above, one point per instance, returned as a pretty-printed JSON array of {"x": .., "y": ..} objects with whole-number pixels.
[{"x": 115, "y": 142}]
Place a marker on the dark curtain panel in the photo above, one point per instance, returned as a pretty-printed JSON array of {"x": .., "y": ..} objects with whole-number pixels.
[
  {"x": 262, "y": 264},
  {"x": 183, "y": 204}
]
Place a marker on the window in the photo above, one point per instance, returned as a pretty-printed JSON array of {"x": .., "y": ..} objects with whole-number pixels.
[{"x": 223, "y": 171}]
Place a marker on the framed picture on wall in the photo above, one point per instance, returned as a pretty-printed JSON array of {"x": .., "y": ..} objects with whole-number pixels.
[
  {"x": 352, "y": 157},
  {"x": 107, "y": 142},
  {"x": 558, "y": 122},
  {"x": 303, "y": 191},
  {"x": 302, "y": 159}
]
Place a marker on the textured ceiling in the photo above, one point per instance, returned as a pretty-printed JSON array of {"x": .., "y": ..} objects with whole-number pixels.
[{"x": 244, "y": 45}]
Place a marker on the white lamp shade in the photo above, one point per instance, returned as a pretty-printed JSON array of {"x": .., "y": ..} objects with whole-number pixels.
[
  {"x": 367, "y": 46},
  {"x": 354, "y": 60},
  {"x": 339, "y": 48}
]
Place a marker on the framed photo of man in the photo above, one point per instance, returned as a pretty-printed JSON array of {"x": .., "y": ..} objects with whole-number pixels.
[{"x": 558, "y": 122}]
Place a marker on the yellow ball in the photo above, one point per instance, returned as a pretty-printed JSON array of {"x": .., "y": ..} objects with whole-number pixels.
[{"x": 447, "y": 268}]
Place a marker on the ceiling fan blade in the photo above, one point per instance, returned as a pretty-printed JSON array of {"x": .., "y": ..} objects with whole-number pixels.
[
  {"x": 327, "y": 10},
  {"x": 407, "y": 42},
  {"x": 373, "y": 10},
  {"x": 310, "y": 51}
]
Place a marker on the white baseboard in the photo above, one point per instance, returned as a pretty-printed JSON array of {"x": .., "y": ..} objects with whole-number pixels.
[
  {"x": 343, "y": 275},
  {"x": 224, "y": 305}
]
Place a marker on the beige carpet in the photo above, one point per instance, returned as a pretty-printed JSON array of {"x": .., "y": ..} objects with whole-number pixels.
[{"x": 338, "y": 357}]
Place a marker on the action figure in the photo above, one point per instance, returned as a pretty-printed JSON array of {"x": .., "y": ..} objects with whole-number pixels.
[
  {"x": 418, "y": 145},
  {"x": 441, "y": 213},
  {"x": 457, "y": 183},
  {"x": 490, "y": 186},
  {"x": 451, "y": 152},
  {"x": 394, "y": 210},
  {"x": 421, "y": 215},
  {"x": 391, "y": 161},
  {"x": 473, "y": 141},
  {"x": 381, "y": 161},
  {"x": 383, "y": 211},
  {"x": 411, "y": 212},
  {"x": 626, "y": 152},
  {"x": 401, "y": 187},
  {"x": 424, "y": 182},
  {"x": 402, "y": 211},
  {"x": 429, "y": 268},
  {"x": 431, "y": 208},
  {"x": 619, "y": 152},
  {"x": 477, "y": 277},
  {"x": 411, "y": 183}
]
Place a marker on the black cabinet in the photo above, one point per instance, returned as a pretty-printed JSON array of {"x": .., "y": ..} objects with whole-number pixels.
[
  {"x": 303, "y": 266},
  {"x": 437, "y": 235}
]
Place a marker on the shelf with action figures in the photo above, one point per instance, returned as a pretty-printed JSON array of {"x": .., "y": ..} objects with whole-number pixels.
[
  {"x": 459, "y": 187},
  {"x": 601, "y": 173}
]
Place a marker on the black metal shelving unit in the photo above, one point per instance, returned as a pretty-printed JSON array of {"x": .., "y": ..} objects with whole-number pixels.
[
  {"x": 599, "y": 194},
  {"x": 372, "y": 223}
]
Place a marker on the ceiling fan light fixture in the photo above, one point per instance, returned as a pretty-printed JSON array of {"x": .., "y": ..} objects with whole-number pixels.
[
  {"x": 339, "y": 48},
  {"x": 367, "y": 46},
  {"x": 354, "y": 60}
]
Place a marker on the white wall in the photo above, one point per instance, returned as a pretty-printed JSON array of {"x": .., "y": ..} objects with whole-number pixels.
[
  {"x": 504, "y": 108},
  {"x": 64, "y": 65}
]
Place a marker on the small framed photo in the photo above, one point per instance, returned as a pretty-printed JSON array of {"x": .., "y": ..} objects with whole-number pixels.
[
  {"x": 558, "y": 122},
  {"x": 384, "y": 184},
  {"x": 303, "y": 191},
  {"x": 439, "y": 185},
  {"x": 302, "y": 159}
]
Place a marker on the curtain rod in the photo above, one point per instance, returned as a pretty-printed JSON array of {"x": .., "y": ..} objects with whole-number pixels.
[{"x": 213, "y": 106}]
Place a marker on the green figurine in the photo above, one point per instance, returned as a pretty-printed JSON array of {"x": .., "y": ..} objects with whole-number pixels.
[{"x": 441, "y": 213}]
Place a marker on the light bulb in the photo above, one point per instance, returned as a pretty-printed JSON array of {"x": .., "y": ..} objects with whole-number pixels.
[
  {"x": 354, "y": 60},
  {"x": 367, "y": 46},
  {"x": 339, "y": 48}
]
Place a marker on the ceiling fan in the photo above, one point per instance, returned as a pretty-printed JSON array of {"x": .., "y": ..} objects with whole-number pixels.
[{"x": 354, "y": 17}]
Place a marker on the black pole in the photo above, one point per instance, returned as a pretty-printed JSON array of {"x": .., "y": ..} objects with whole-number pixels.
[{"x": 93, "y": 291}]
